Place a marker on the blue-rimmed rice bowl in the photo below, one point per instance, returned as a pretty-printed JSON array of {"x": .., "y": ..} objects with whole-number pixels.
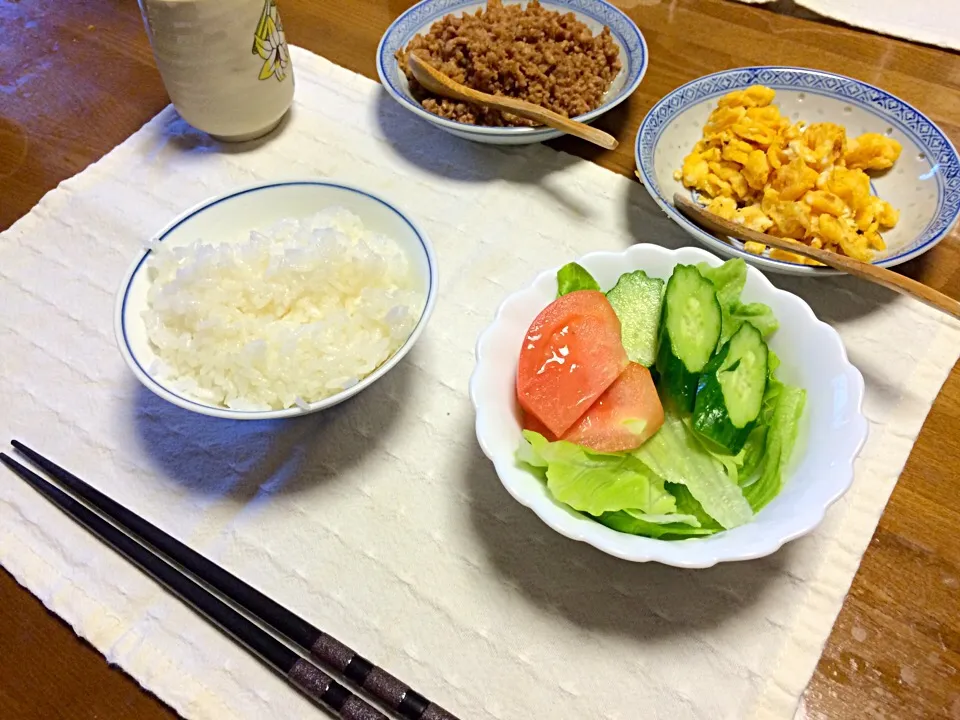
[
  {"x": 924, "y": 183},
  {"x": 594, "y": 13},
  {"x": 230, "y": 218}
]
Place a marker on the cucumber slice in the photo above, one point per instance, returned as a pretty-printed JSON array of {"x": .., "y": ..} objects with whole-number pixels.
[
  {"x": 689, "y": 333},
  {"x": 743, "y": 375},
  {"x": 730, "y": 391},
  {"x": 692, "y": 318},
  {"x": 637, "y": 299},
  {"x": 710, "y": 419}
]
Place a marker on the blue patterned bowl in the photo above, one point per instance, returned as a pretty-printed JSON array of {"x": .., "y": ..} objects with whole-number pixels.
[
  {"x": 230, "y": 218},
  {"x": 594, "y": 13},
  {"x": 924, "y": 183}
]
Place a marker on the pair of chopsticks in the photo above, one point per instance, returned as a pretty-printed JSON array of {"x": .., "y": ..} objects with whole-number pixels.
[{"x": 154, "y": 552}]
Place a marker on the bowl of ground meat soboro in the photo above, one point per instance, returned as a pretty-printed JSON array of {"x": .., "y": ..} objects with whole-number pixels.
[{"x": 579, "y": 58}]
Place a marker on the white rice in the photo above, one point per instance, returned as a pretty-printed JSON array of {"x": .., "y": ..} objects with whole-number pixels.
[{"x": 290, "y": 316}]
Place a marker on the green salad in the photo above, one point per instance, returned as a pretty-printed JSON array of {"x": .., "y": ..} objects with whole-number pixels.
[{"x": 655, "y": 408}]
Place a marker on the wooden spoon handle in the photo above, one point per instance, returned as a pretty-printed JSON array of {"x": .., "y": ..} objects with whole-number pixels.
[
  {"x": 545, "y": 117},
  {"x": 874, "y": 273},
  {"x": 440, "y": 84}
]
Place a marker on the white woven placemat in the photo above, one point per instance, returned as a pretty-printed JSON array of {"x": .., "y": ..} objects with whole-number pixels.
[
  {"x": 934, "y": 22},
  {"x": 380, "y": 521}
]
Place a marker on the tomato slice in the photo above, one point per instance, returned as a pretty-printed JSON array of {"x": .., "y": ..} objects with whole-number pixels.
[
  {"x": 570, "y": 355},
  {"x": 531, "y": 423},
  {"x": 627, "y": 415}
]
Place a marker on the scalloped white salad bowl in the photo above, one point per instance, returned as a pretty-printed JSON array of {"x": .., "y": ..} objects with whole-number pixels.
[{"x": 818, "y": 471}]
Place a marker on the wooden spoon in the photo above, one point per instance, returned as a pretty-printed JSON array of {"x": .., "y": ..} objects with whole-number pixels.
[
  {"x": 887, "y": 278},
  {"x": 439, "y": 84}
]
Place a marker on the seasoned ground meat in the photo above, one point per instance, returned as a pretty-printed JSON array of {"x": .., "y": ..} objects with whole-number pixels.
[{"x": 538, "y": 55}]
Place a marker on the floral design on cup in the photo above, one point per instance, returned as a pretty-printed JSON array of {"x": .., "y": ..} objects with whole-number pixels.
[{"x": 270, "y": 43}]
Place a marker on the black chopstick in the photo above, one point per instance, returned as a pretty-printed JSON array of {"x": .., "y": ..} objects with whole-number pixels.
[
  {"x": 300, "y": 673},
  {"x": 324, "y": 648}
]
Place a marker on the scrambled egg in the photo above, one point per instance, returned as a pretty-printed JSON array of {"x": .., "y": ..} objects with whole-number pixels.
[{"x": 797, "y": 181}]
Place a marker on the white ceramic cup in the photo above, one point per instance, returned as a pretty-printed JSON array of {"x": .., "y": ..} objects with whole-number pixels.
[{"x": 225, "y": 63}]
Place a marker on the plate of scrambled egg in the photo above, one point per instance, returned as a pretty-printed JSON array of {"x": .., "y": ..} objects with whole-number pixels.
[{"x": 806, "y": 155}]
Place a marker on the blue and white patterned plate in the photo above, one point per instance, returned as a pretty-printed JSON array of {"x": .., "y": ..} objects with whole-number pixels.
[
  {"x": 924, "y": 184},
  {"x": 594, "y": 13}
]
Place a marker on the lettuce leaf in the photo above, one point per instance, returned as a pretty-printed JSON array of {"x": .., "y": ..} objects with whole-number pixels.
[
  {"x": 596, "y": 483},
  {"x": 528, "y": 452},
  {"x": 617, "y": 490},
  {"x": 780, "y": 438},
  {"x": 731, "y": 463},
  {"x": 751, "y": 456},
  {"x": 729, "y": 280},
  {"x": 667, "y": 519},
  {"x": 687, "y": 504},
  {"x": 637, "y": 524},
  {"x": 677, "y": 456},
  {"x": 572, "y": 277},
  {"x": 754, "y": 450},
  {"x": 690, "y": 520}
]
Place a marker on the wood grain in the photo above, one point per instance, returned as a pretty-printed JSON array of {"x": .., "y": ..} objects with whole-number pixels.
[{"x": 77, "y": 78}]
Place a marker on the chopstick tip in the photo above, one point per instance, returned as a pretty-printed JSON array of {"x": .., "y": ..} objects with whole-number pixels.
[{"x": 24, "y": 450}]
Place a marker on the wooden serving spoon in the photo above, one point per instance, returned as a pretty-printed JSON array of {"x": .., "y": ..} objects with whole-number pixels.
[
  {"x": 439, "y": 84},
  {"x": 887, "y": 278}
]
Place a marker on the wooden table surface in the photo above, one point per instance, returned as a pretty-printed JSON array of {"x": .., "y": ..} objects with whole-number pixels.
[{"x": 77, "y": 78}]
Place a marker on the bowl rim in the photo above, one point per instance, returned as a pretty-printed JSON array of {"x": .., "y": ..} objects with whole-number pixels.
[
  {"x": 648, "y": 174},
  {"x": 513, "y": 132},
  {"x": 161, "y": 390},
  {"x": 690, "y": 553}
]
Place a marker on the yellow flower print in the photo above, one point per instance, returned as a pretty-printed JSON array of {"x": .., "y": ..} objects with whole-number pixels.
[{"x": 270, "y": 44}]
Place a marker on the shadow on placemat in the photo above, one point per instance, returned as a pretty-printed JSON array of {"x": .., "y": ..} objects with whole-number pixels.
[
  {"x": 451, "y": 158},
  {"x": 597, "y": 591},
  {"x": 616, "y": 122},
  {"x": 186, "y": 138},
  {"x": 650, "y": 225},
  {"x": 242, "y": 459},
  {"x": 839, "y": 298}
]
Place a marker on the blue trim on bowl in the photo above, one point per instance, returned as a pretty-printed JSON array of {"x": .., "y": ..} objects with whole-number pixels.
[
  {"x": 425, "y": 13},
  {"x": 217, "y": 201},
  {"x": 945, "y": 164}
]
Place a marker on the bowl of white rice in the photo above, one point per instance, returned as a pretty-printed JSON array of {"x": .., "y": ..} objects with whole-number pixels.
[{"x": 276, "y": 300}]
